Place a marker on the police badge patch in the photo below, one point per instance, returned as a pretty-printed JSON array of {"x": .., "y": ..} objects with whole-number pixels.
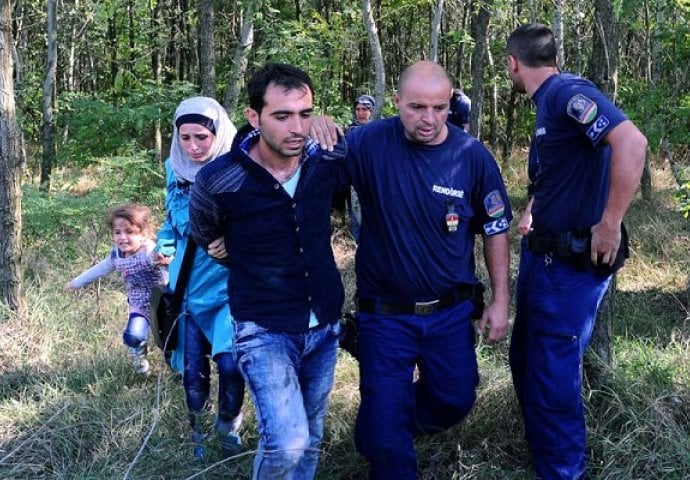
[
  {"x": 582, "y": 108},
  {"x": 493, "y": 203},
  {"x": 595, "y": 130},
  {"x": 497, "y": 226}
]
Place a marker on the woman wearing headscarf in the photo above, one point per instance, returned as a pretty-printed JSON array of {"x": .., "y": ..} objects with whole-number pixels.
[{"x": 202, "y": 132}]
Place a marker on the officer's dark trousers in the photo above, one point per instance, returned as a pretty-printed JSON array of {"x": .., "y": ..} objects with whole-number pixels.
[
  {"x": 393, "y": 409},
  {"x": 556, "y": 310}
]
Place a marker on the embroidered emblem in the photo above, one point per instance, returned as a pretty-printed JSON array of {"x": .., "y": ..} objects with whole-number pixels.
[
  {"x": 599, "y": 126},
  {"x": 493, "y": 204},
  {"x": 497, "y": 226},
  {"x": 582, "y": 108}
]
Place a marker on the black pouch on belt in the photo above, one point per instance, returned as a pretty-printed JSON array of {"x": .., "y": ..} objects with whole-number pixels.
[{"x": 478, "y": 301}]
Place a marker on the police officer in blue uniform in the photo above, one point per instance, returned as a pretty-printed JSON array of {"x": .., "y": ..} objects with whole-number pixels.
[
  {"x": 460, "y": 109},
  {"x": 427, "y": 189},
  {"x": 585, "y": 163}
]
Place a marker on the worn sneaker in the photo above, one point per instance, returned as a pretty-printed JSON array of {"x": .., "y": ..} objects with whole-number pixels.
[
  {"x": 137, "y": 356},
  {"x": 230, "y": 444},
  {"x": 227, "y": 431}
]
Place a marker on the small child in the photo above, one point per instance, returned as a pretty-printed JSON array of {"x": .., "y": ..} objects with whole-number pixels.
[{"x": 133, "y": 234}]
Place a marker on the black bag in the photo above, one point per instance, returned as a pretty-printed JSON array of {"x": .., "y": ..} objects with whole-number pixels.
[{"x": 166, "y": 306}]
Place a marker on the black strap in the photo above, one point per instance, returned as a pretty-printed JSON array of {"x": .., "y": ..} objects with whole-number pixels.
[{"x": 183, "y": 276}]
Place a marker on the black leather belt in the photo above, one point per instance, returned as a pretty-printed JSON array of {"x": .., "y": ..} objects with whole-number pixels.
[{"x": 383, "y": 307}]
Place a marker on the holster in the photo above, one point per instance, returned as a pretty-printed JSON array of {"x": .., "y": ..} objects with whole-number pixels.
[
  {"x": 575, "y": 248},
  {"x": 478, "y": 301}
]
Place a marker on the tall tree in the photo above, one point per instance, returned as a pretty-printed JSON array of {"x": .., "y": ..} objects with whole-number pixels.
[
  {"x": 48, "y": 88},
  {"x": 156, "y": 67},
  {"x": 11, "y": 164},
  {"x": 376, "y": 56},
  {"x": 603, "y": 70},
  {"x": 558, "y": 32},
  {"x": 481, "y": 25},
  {"x": 207, "y": 51},
  {"x": 240, "y": 58},
  {"x": 603, "y": 63},
  {"x": 436, "y": 30}
]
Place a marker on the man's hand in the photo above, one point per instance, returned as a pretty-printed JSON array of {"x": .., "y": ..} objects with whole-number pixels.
[
  {"x": 325, "y": 132},
  {"x": 495, "y": 317},
  {"x": 216, "y": 249},
  {"x": 525, "y": 225},
  {"x": 606, "y": 239}
]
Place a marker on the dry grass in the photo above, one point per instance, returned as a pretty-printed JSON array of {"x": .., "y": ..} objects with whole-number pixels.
[{"x": 70, "y": 407}]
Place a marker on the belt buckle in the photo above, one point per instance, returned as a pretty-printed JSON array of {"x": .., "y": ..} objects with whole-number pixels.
[{"x": 425, "y": 308}]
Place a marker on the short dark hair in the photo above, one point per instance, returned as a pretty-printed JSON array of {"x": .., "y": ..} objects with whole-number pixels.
[
  {"x": 287, "y": 76},
  {"x": 534, "y": 45}
]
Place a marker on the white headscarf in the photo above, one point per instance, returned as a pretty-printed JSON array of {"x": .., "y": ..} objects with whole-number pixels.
[{"x": 184, "y": 168}]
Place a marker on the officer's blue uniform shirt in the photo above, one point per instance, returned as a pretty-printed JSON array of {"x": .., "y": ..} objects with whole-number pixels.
[
  {"x": 568, "y": 163},
  {"x": 406, "y": 189},
  {"x": 460, "y": 108}
]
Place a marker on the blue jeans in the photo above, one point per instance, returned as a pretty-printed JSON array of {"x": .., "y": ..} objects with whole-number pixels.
[
  {"x": 137, "y": 331},
  {"x": 556, "y": 310},
  {"x": 289, "y": 377},
  {"x": 197, "y": 375},
  {"x": 393, "y": 408}
]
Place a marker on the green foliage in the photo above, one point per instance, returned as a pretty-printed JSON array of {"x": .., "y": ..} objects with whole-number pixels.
[
  {"x": 683, "y": 197},
  {"x": 96, "y": 127},
  {"x": 656, "y": 117},
  {"x": 81, "y": 203}
]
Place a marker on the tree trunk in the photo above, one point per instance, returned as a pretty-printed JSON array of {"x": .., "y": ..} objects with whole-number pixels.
[
  {"x": 240, "y": 58},
  {"x": 604, "y": 72},
  {"x": 112, "y": 48},
  {"x": 603, "y": 65},
  {"x": 653, "y": 74},
  {"x": 207, "y": 55},
  {"x": 376, "y": 57},
  {"x": 558, "y": 32},
  {"x": 48, "y": 141},
  {"x": 478, "y": 55},
  {"x": 493, "y": 102},
  {"x": 510, "y": 127},
  {"x": 11, "y": 165},
  {"x": 156, "y": 68},
  {"x": 435, "y": 30}
]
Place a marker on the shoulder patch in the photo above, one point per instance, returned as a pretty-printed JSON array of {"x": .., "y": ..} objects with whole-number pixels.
[
  {"x": 493, "y": 204},
  {"x": 597, "y": 127},
  {"x": 582, "y": 108},
  {"x": 497, "y": 226}
]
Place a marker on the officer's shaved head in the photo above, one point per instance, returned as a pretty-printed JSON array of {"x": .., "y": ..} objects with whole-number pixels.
[{"x": 429, "y": 71}]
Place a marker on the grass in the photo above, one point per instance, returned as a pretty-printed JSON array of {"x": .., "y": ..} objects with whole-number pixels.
[{"x": 71, "y": 407}]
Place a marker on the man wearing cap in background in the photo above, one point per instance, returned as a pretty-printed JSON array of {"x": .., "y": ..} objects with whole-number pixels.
[
  {"x": 364, "y": 106},
  {"x": 347, "y": 197},
  {"x": 460, "y": 108}
]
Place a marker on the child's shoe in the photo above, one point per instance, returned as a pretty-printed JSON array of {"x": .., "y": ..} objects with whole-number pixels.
[{"x": 137, "y": 356}]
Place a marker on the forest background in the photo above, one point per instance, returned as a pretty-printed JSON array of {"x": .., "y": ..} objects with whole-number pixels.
[{"x": 92, "y": 87}]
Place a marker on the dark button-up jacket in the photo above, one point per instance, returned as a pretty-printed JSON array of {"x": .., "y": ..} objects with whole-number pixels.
[{"x": 279, "y": 246}]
